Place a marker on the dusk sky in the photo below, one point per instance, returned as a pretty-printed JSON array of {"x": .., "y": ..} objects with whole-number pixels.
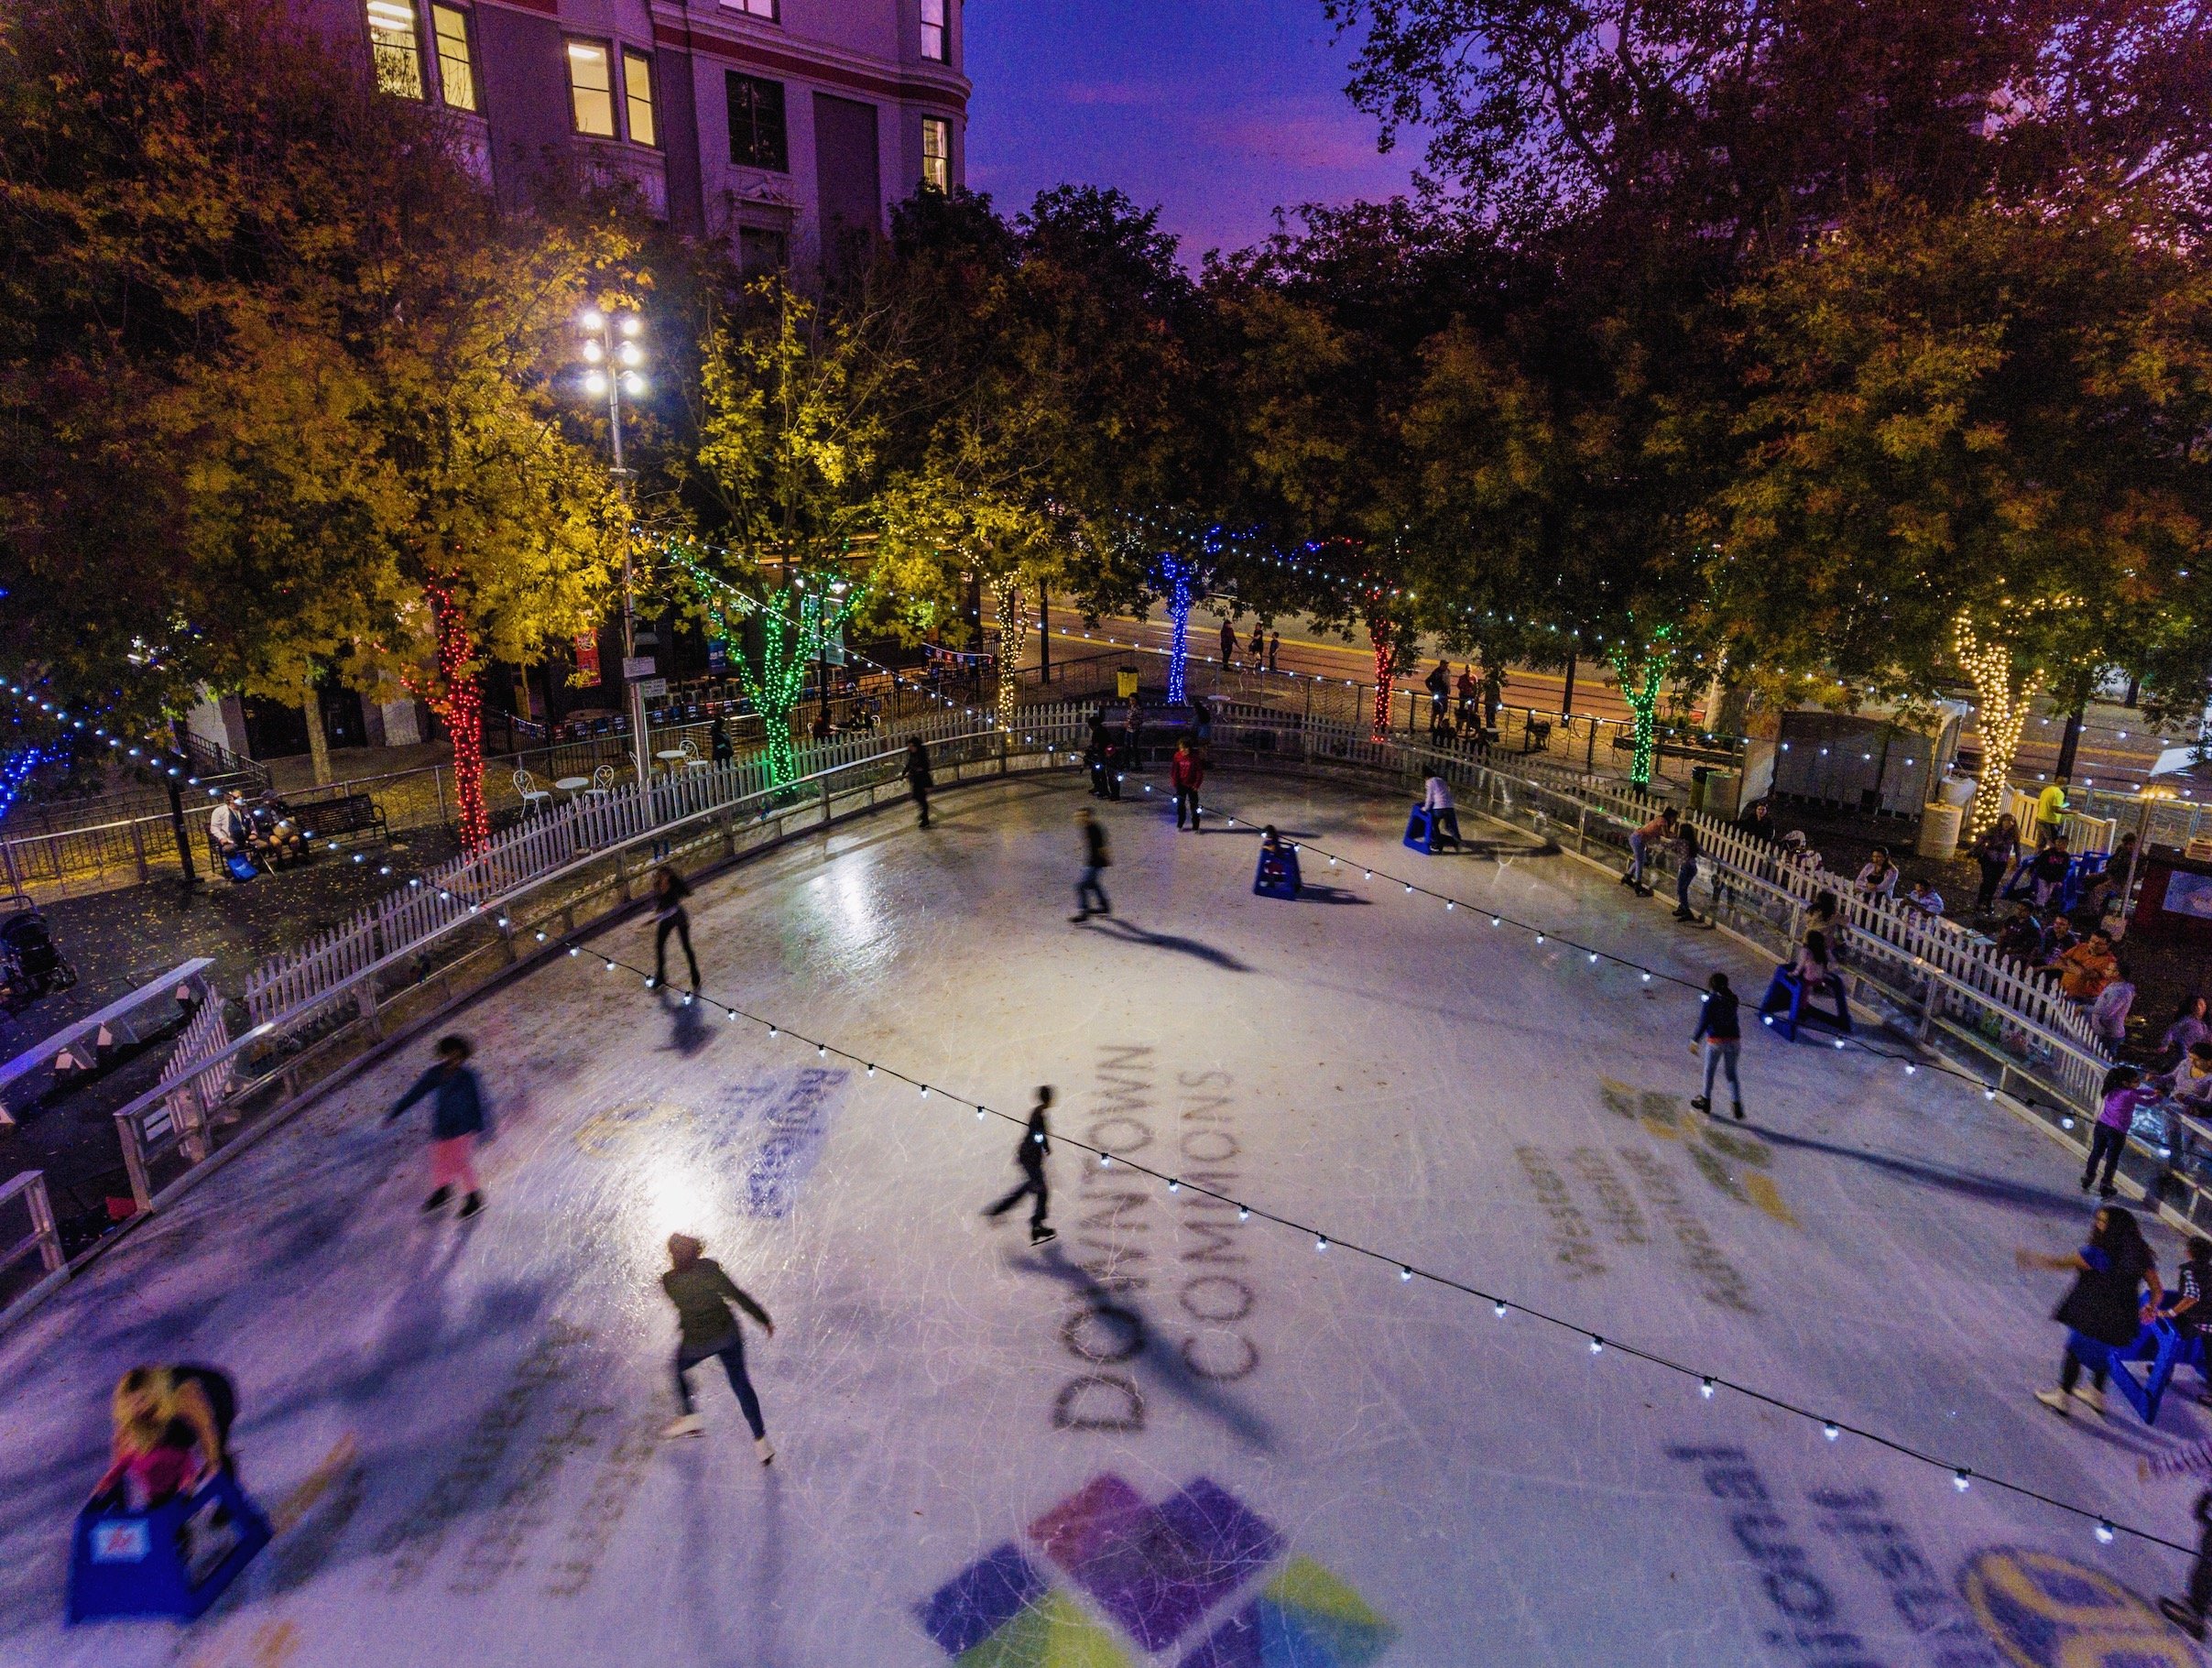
[{"x": 1218, "y": 110}]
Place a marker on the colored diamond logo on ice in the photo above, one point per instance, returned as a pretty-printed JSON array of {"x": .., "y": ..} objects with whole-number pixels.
[{"x": 1155, "y": 1572}]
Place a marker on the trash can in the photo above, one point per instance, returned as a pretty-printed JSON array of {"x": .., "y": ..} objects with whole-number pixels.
[
  {"x": 1698, "y": 776},
  {"x": 1939, "y": 826},
  {"x": 1125, "y": 682},
  {"x": 1957, "y": 791}
]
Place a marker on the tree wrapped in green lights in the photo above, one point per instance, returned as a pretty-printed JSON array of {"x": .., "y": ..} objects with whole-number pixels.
[{"x": 1642, "y": 671}]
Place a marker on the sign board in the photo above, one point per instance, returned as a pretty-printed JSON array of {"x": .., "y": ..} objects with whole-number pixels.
[
  {"x": 717, "y": 655},
  {"x": 637, "y": 665},
  {"x": 587, "y": 659},
  {"x": 652, "y": 686},
  {"x": 833, "y": 648}
]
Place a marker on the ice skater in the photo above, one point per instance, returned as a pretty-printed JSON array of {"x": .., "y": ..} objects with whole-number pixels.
[
  {"x": 2124, "y": 1091},
  {"x": 1660, "y": 827},
  {"x": 669, "y": 890},
  {"x": 1036, "y": 1147},
  {"x": 457, "y": 1120},
  {"x": 2102, "y": 1308},
  {"x": 2189, "y": 1613},
  {"x": 1096, "y": 857},
  {"x": 1686, "y": 843},
  {"x": 707, "y": 1328},
  {"x": 1186, "y": 775},
  {"x": 1720, "y": 1032},
  {"x": 918, "y": 778}
]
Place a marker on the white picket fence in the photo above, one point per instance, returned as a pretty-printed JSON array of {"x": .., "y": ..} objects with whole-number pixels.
[{"x": 442, "y": 898}]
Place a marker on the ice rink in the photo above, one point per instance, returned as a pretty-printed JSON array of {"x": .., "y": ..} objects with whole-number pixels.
[{"x": 1172, "y": 1437}]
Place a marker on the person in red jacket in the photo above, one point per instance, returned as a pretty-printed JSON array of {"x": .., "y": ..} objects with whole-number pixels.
[{"x": 1187, "y": 772}]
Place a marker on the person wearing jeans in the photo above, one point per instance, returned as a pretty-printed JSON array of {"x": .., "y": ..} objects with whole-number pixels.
[
  {"x": 1639, "y": 844},
  {"x": 2109, "y": 1139},
  {"x": 1187, "y": 774},
  {"x": 1721, "y": 1032},
  {"x": 707, "y": 1329}
]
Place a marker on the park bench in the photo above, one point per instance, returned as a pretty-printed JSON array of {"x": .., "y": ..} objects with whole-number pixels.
[{"x": 326, "y": 822}]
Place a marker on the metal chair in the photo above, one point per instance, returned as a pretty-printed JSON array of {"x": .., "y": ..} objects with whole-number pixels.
[
  {"x": 603, "y": 781},
  {"x": 530, "y": 794},
  {"x": 691, "y": 761}
]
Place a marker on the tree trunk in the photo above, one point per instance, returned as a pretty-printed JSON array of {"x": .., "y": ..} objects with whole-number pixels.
[
  {"x": 458, "y": 705},
  {"x": 1566, "y": 693},
  {"x": 1382, "y": 633},
  {"x": 1180, "y": 598},
  {"x": 318, "y": 739},
  {"x": 1013, "y": 636},
  {"x": 2070, "y": 744}
]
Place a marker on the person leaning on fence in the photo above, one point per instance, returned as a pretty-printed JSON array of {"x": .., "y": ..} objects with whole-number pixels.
[
  {"x": 2022, "y": 937},
  {"x": 1660, "y": 827},
  {"x": 2124, "y": 1091},
  {"x": 2084, "y": 969},
  {"x": 1879, "y": 878},
  {"x": 2050, "y": 813},
  {"x": 1923, "y": 897},
  {"x": 2188, "y": 1028},
  {"x": 2109, "y": 1013},
  {"x": 1755, "y": 821}
]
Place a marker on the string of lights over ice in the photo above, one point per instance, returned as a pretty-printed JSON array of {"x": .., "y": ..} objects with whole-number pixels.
[{"x": 1707, "y": 1385}]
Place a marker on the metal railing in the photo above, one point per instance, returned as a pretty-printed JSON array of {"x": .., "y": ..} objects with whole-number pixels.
[{"x": 27, "y": 1192}]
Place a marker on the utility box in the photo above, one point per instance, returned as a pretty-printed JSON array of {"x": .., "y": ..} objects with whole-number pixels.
[
  {"x": 1125, "y": 682},
  {"x": 1869, "y": 760}
]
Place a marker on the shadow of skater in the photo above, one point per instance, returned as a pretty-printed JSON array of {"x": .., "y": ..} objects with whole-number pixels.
[
  {"x": 1130, "y": 931},
  {"x": 1329, "y": 894},
  {"x": 1137, "y": 1343},
  {"x": 687, "y": 1025}
]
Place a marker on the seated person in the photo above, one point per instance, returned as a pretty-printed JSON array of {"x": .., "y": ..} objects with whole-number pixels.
[
  {"x": 2047, "y": 873},
  {"x": 1815, "y": 970},
  {"x": 172, "y": 1426},
  {"x": 2022, "y": 937},
  {"x": 2085, "y": 968},
  {"x": 1278, "y": 862},
  {"x": 1444, "y": 820},
  {"x": 228, "y": 825},
  {"x": 2114, "y": 874},
  {"x": 1923, "y": 897}
]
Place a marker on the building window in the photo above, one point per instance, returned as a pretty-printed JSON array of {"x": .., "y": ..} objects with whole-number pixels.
[
  {"x": 591, "y": 88},
  {"x": 396, "y": 45},
  {"x": 933, "y": 29},
  {"x": 638, "y": 97},
  {"x": 937, "y": 152},
  {"x": 456, "y": 70},
  {"x": 761, "y": 249},
  {"x": 753, "y": 8},
  {"x": 756, "y": 134}
]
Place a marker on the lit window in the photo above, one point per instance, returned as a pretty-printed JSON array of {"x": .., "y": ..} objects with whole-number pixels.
[
  {"x": 756, "y": 131},
  {"x": 753, "y": 8},
  {"x": 396, "y": 45},
  {"x": 591, "y": 89},
  {"x": 456, "y": 75},
  {"x": 637, "y": 96},
  {"x": 933, "y": 29},
  {"x": 937, "y": 152}
]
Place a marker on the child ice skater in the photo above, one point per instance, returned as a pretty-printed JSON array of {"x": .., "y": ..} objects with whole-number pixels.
[
  {"x": 457, "y": 1120},
  {"x": 707, "y": 1328}
]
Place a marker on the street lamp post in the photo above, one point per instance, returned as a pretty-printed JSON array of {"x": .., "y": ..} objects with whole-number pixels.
[{"x": 612, "y": 355}]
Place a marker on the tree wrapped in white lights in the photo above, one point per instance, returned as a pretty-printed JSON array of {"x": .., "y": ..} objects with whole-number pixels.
[{"x": 2002, "y": 695}]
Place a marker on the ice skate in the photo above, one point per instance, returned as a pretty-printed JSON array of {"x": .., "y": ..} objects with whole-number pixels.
[
  {"x": 471, "y": 1205},
  {"x": 1040, "y": 1236},
  {"x": 437, "y": 1199},
  {"x": 2055, "y": 1401},
  {"x": 2182, "y": 1615},
  {"x": 1737, "y": 1110},
  {"x": 1701, "y": 1102},
  {"x": 2090, "y": 1396},
  {"x": 684, "y": 1425},
  {"x": 762, "y": 1446}
]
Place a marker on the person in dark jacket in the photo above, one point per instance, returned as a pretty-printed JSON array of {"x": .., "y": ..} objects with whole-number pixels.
[
  {"x": 2188, "y": 1614},
  {"x": 1229, "y": 645},
  {"x": 1186, "y": 775},
  {"x": 707, "y": 1328},
  {"x": 1996, "y": 852},
  {"x": 1755, "y": 821},
  {"x": 1096, "y": 858},
  {"x": 457, "y": 1120},
  {"x": 1721, "y": 1032},
  {"x": 2104, "y": 1307},
  {"x": 669, "y": 890},
  {"x": 1036, "y": 1147},
  {"x": 1685, "y": 842},
  {"x": 718, "y": 741},
  {"x": 918, "y": 778},
  {"x": 1098, "y": 755}
]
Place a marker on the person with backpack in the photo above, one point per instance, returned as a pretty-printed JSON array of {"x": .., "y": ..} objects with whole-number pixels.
[
  {"x": 457, "y": 1120},
  {"x": 707, "y": 1329},
  {"x": 1186, "y": 775},
  {"x": 1096, "y": 858},
  {"x": 2104, "y": 1307},
  {"x": 1036, "y": 1147},
  {"x": 1721, "y": 1034}
]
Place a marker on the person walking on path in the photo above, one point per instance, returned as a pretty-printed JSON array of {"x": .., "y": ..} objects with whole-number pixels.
[
  {"x": 1274, "y": 650},
  {"x": 707, "y": 1328},
  {"x": 457, "y": 1120},
  {"x": 1095, "y": 857},
  {"x": 669, "y": 890},
  {"x": 1660, "y": 827},
  {"x": 2124, "y": 1091},
  {"x": 1132, "y": 741},
  {"x": 1036, "y": 1147},
  {"x": 1995, "y": 852},
  {"x": 2103, "y": 1307},
  {"x": 1187, "y": 774},
  {"x": 918, "y": 778},
  {"x": 2189, "y": 1613},
  {"x": 1229, "y": 645},
  {"x": 1721, "y": 1034},
  {"x": 1685, "y": 841}
]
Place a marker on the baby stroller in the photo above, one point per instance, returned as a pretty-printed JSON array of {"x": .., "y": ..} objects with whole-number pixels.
[{"x": 31, "y": 967}]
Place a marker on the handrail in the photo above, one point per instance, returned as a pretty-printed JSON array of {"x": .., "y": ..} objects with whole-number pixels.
[{"x": 44, "y": 1239}]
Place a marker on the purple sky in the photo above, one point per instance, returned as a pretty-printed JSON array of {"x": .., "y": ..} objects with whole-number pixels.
[{"x": 1218, "y": 110}]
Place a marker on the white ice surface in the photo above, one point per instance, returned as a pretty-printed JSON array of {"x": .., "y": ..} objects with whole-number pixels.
[{"x": 1405, "y": 1077}]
